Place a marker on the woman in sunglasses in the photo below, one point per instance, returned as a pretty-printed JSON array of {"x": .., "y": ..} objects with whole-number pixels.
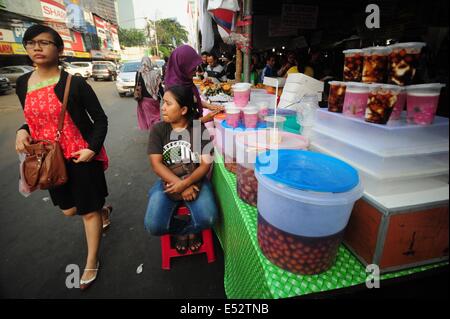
[{"x": 85, "y": 126}]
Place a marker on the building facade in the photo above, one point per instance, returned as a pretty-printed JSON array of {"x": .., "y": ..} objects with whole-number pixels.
[{"x": 126, "y": 17}]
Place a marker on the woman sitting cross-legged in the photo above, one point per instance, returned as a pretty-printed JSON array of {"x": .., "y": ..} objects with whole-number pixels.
[{"x": 180, "y": 153}]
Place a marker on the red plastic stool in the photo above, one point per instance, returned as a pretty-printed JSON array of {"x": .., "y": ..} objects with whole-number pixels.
[{"x": 168, "y": 252}]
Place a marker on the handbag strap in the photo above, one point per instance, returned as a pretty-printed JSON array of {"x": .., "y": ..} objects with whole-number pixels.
[{"x": 64, "y": 108}]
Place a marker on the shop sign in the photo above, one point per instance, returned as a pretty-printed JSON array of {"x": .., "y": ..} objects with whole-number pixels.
[
  {"x": 30, "y": 8},
  {"x": 7, "y": 35},
  {"x": 18, "y": 49},
  {"x": 82, "y": 54},
  {"x": 97, "y": 54},
  {"x": 53, "y": 11},
  {"x": 6, "y": 48}
]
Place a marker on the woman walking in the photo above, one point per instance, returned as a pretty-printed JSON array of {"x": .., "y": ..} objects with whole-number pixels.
[
  {"x": 148, "y": 82},
  {"x": 85, "y": 126}
]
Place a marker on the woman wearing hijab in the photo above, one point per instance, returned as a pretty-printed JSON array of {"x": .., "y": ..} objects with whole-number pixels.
[
  {"x": 149, "y": 81},
  {"x": 181, "y": 69}
]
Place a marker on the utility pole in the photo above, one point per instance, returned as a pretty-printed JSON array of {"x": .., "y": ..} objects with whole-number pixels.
[
  {"x": 248, "y": 5},
  {"x": 156, "y": 38}
]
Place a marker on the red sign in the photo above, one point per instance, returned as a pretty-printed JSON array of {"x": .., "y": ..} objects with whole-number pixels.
[
  {"x": 53, "y": 10},
  {"x": 6, "y": 48}
]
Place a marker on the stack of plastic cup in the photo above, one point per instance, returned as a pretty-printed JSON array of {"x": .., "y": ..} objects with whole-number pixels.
[{"x": 422, "y": 102}]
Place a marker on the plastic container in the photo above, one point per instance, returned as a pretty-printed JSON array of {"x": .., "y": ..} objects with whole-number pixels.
[
  {"x": 422, "y": 102},
  {"x": 375, "y": 64},
  {"x": 380, "y": 103},
  {"x": 384, "y": 168},
  {"x": 392, "y": 140},
  {"x": 399, "y": 106},
  {"x": 263, "y": 110},
  {"x": 275, "y": 122},
  {"x": 229, "y": 142},
  {"x": 292, "y": 87},
  {"x": 251, "y": 117},
  {"x": 304, "y": 206},
  {"x": 248, "y": 145},
  {"x": 306, "y": 81},
  {"x": 241, "y": 93},
  {"x": 219, "y": 131},
  {"x": 355, "y": 101},
  {"x": 336, "y": 96},
  {"x": 353, "y": 65},
  {"x": 403, "y": 62}
]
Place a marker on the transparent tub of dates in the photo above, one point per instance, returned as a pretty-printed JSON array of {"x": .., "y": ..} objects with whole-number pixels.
[
  {"x": 248, "y": 145},
  {"x": 375, "y": 68},
  {"x": 381, "y": 102},
  {"x": 353, "y": 65},
  {"x": 336, "y": 96},
  {"x": 403, "y": 62},
  {"x": 304, "y": 203}
]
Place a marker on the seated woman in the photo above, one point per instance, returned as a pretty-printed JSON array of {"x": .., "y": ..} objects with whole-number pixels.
[{"x": 180, "y": 153}]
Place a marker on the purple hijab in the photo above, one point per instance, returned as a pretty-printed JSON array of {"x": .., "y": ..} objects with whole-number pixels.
[{"x": 180, "y": 70}]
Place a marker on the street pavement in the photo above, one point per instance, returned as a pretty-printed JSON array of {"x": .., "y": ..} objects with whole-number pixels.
[{"x": 37, "y": 242}]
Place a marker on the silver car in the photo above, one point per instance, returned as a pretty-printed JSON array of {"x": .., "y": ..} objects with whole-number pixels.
[
  {"x": 5, "y": 86},
  {"x": 14, "y": 72}
]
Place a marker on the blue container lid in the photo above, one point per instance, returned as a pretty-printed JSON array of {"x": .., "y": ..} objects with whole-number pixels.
[
  {"x": 241, "y": 126},
  {"x": 308, "y": 171}
]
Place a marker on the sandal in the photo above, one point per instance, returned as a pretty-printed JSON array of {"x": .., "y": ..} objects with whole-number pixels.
[
  {"x": 195, "y": 243},
  {"x": 181, "y": 244},
  {"x": 107, "y": 220}
]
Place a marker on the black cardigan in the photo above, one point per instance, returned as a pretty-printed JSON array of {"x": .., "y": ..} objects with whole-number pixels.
[{"x": 83, "y": 105}]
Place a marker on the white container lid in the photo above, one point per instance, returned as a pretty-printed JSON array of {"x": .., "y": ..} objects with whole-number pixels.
[
  {"x": 273, "y": 119},
  {"x": 241, "y": 87},
  {"x": 377, "y": 51},
  {"x": 338, "y": 83},
  {"x": 357, "y": 87},
  {"x": 385, "y": 87},
  {"x": 425, "y": 89},
  {"x": 233, "y": 110},
  {"x": 251, "y": 110},
  {"x": 352, "y": 51},
  {"x": 408, "y": 45}
]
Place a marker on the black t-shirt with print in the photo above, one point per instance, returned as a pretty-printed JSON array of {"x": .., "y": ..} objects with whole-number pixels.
[{"x": 179, "y": 146}]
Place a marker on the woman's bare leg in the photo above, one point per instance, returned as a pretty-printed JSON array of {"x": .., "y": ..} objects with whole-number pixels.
[{"x": 93, "y": 228}]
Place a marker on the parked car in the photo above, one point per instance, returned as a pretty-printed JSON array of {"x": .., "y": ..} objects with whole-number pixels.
[
  {"x": 5, "y": 85},
  {"x": 14, "y": 72},
  {"x": 104, "y": 72},
  {"x": 106, "y": 62},
  {"x": 87, "y": 65},
  {"x": 76, "y": 70},
  {"x": 127, "y": 77}
]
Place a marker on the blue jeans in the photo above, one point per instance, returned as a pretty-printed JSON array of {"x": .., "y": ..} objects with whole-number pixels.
[{"x": 160, "y": 210}]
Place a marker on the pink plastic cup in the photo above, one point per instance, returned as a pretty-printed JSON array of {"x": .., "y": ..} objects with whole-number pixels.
[
  {"x": 233, "y": 117},
  {"x": 422, "y": 102},
  {"x": 250, "y": 117},
  {"x": 241, "y": 92},
  {"x": 355, "y": 101},
  {"x": 399, "y": 106}
]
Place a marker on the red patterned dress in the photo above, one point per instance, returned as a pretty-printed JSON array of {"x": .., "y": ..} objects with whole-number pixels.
[{"x": 42, "y": 109}]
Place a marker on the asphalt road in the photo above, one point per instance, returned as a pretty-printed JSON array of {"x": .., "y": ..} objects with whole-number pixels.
[{"x": 37, "y": 242}]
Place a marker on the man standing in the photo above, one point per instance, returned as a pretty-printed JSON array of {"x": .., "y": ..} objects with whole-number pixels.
[
  {"x": 269, "y": 70},
  {"x": 214, "y": 69}
]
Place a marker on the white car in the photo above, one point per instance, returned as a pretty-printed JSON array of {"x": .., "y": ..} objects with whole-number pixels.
[
  {"x": 76, "y": 70},
  {"x": 87, "y": 65},
  {"x": 127, "y": 77}
]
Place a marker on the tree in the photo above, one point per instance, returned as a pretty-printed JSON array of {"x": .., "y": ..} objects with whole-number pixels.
[
  {"x": 132, "y": 37},
  {"x": 170, "y": 35}
]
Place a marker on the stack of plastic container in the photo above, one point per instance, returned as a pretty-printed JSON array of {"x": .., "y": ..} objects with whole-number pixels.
[
  {"x": 297, "y": 85},
  {"x": 392, "y": 159}
]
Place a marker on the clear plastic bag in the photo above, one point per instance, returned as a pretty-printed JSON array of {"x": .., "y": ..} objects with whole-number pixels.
[{"x": 24, "y": 189}]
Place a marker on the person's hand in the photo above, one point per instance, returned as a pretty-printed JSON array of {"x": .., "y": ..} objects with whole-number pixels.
[
  {"x": 84, "y": 155},
  {"x": 190, "y": 194},
  {"x": 219, "y": 108},
  {"x": 176, "y": 188},
  {"x": 210, "y": 116},
  {"x": 23, "y": 139}
]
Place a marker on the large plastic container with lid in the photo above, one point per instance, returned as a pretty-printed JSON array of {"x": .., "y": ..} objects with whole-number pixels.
[
  {"x": 304, "y": 203},
  {"x": 248, "y": 145},
  {"x": 422, "y": 102},
  {"x": 375, "y": 66},
  {"x": 241, "y": 92},
  {"x": 403, "y": 62}
]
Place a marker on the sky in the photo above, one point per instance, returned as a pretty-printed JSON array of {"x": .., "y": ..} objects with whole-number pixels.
[{"x": 163, "y": 9}]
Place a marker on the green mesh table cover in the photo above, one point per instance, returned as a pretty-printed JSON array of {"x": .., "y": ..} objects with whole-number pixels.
[{"x": 249, "y": 274}]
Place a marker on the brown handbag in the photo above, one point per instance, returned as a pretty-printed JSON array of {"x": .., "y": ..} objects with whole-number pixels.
[
  {"x": 44, "y": 166},
  {"x": 182, "y": 170},
  {"x": 137, "y": 95}
]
